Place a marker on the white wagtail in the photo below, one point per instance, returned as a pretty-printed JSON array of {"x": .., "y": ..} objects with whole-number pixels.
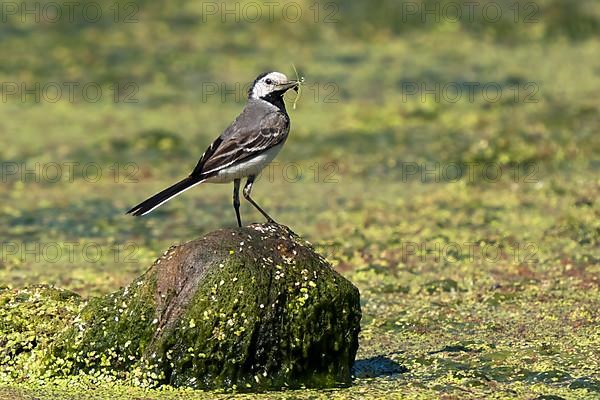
[{"x": 250, "y": 143}]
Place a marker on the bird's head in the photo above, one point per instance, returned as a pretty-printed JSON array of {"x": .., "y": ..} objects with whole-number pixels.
[{"x": 271, "y": 84}]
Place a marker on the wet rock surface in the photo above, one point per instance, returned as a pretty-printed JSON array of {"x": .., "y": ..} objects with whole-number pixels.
[{"x": 251, "y": 308}]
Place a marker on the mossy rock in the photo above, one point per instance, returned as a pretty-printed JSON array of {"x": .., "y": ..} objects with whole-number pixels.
[{"x": 251, "y": 308}]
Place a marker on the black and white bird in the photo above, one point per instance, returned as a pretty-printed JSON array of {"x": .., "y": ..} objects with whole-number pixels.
[{"x": 250, "y": 143}]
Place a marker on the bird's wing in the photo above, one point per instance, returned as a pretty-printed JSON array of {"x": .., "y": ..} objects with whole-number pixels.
[{"x": 244, "y": 139}]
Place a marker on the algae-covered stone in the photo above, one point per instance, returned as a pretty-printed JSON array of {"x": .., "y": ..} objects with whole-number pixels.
[
  {"x": 109, "y": 334},
  {"x": 252, "y": 308}
]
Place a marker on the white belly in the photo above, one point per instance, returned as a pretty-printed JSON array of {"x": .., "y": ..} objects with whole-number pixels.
[{"x": 252, "y": 166}]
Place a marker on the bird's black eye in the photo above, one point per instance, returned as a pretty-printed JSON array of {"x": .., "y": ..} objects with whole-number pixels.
[{"x": 268, "y": 81}]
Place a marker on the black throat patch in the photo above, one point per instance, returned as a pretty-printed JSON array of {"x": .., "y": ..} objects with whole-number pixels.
[{"x": 276, "y": 98}]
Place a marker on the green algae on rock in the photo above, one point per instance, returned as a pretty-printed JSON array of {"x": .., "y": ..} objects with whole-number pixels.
[
  {"x": 251, "y": 309},
  {"x": 254, "y": 308}
]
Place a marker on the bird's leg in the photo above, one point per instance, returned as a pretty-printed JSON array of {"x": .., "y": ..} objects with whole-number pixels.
[
  {"x": 247, "y": 191},
  {"x": 236, "y": 200}
]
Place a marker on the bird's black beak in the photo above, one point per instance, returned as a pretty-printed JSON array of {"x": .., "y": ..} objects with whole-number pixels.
[{"x": 283, "y": 87}]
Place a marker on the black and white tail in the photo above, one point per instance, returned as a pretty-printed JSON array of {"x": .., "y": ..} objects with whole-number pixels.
[{"x": 158, "y": 199}]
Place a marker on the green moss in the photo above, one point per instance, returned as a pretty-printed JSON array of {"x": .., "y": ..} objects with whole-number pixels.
[
  {"x": 109, "y": 335},
  {"x": 30, "y": 320},
  {"x": 263, "y": 318},
  {"x": 248, "y": 309}
]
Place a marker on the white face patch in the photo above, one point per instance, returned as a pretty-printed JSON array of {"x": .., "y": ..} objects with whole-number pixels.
[{"x": 267, "y": 84}]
